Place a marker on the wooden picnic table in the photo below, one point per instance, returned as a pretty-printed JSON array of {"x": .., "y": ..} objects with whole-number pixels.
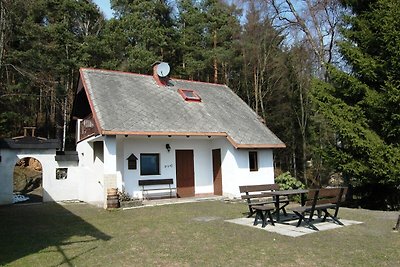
[{"x": 277, "y": 194}]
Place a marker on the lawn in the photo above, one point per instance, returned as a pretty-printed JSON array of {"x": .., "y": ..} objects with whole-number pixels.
[{"x": 181, "y": 235}]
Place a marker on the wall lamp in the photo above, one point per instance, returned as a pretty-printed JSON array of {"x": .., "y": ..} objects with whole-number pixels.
[{"x": 168, "y": 147}]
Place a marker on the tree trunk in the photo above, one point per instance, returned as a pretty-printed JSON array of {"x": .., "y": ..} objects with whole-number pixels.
[
  {"x": 2, "y": 31},
  {"x": 255, "y": 77},
  {"x": 294, "y": 164},
  {"x": 215, "y": 58},
  {"x": 225, "y": 72},
  {"x": 304, "y": 158},
  {"x": 303, "y": 125}
]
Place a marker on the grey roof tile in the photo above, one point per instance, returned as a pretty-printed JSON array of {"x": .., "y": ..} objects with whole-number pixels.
[{"x": 127, "y": 102}]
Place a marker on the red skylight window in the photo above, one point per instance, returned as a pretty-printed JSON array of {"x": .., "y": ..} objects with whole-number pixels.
[{"x": 189, "y": 95}]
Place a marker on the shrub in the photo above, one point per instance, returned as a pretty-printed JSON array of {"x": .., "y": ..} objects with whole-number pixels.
[
  {"x": 287, "y": 181},
  {"x": 124, "y": 196}
]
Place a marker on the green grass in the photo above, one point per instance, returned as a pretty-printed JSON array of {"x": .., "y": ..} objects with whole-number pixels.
[{"x": 82, "y": 235}]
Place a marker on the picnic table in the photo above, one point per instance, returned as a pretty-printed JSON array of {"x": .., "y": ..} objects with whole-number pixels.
[
  {"x": 259, "y": 195},
  {"x": 286, "y": 193}
]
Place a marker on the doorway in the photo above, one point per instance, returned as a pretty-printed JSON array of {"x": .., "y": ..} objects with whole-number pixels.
[
  {"x": 184, "y": 173},
  {"x": 28, "y": 181},
  {"x": 217, "y": 174}
]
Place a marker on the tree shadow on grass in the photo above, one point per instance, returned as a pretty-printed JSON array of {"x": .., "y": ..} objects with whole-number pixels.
[{"x": 45, "y": 228}]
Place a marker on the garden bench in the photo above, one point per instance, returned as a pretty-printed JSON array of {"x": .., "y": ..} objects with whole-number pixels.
[
  {"x": 320, "y": 200},
  {"x": 261, "y": 212},
  {"x": 157, "y": 188},
  {"x": 259, "y": 195}
]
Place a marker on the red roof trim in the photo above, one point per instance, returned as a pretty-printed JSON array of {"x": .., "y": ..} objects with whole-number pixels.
[
  {"x": 233, "y": 143},
  {"x": 118, "y": 71},
  {"x": 250, "y": 146},
  {"x": 150, "y": 75}
]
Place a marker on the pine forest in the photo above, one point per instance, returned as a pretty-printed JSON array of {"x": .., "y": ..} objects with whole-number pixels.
[{"x": 323, "y": 75}]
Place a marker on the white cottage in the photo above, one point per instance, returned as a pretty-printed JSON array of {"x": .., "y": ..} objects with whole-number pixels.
[{"x": 133, "y": 127}]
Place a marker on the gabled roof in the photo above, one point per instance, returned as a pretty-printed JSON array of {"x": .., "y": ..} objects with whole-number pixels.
[{"x": 128, "y": 103}]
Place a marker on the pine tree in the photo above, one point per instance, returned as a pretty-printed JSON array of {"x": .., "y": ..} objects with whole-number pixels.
[
  {"x": 192, "y": 46},
  {"x": 141, "y": 34},
  {"x": 46, "y": 43},
  {"x": 363, "y": 105}
]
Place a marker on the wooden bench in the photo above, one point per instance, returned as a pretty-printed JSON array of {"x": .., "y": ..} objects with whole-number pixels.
[
  {"x": 258, "y": 195},
  {"x": 320, "y": 200},
  {"x": 262, "y": 212},
  {"x": 154, "y": 185}
]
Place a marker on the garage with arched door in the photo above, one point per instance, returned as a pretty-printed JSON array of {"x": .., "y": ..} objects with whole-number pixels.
[{"x": 32, "y": 168}]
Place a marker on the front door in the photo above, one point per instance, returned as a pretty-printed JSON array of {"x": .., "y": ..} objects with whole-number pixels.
[
  {"x": 217, "y": 174},
  {"x": 184, "y": 173}
]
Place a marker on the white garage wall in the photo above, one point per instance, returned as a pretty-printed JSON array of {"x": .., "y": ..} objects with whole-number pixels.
[
  {"x": 8, "y": 160},
  {"x": 90, "y": 172},
  {"x": 53, "y": 189}
]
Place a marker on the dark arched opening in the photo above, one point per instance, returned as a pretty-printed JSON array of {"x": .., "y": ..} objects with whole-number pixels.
[{"x": 28, "y": 181}]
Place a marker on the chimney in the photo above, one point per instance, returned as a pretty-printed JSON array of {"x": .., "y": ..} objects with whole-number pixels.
[
  {"x": 32, "y": 131},
  {"x": 160, "y": 73}
]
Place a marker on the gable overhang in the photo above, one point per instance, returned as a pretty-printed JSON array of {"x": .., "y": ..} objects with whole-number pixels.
[
  {"x": 208, "y": 134},
  {"x": 146, "y": 133},
  {"x": 254, "y": 146},
  {"x": 94, "y": 115}
]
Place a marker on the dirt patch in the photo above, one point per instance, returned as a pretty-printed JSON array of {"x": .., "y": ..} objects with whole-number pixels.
[{"x": 206, "y": 219}]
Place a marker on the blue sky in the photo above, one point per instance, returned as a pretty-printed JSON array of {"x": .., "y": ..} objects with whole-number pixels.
[{"x": 104, "y": 7}]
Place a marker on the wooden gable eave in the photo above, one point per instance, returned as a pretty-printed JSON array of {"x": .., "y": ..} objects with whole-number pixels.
[
  {"x": 254, "y": 146},
  {"x": 162, "y": 133},
  {"x": 83, "y": 108},
  {"x": 222, "y": 134}
]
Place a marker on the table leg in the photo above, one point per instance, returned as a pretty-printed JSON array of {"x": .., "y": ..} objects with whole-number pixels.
[
  {"x": 277, "y": 207},
  {"x": 303, "y": 199}
]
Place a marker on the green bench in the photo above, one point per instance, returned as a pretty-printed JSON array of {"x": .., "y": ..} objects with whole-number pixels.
[
  {"x": 259, "y": 195},
  {"x": 157, "y": 188},
  {"x": 320, "y": 201}
]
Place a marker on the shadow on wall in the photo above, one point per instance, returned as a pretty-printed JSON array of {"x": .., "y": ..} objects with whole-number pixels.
[{"x": 47, "y": 228}]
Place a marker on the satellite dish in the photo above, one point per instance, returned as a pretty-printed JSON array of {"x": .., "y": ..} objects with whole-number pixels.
[{"x": 163, "y": 69}]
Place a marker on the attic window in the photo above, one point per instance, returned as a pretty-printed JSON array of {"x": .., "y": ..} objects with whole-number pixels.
[{"x": 189, "y": 95}]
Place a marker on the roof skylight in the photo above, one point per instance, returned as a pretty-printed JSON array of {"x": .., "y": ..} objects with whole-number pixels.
[{"x": 189, "y": 95}]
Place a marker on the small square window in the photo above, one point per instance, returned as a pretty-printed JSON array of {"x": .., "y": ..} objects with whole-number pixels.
[
  {"x": 189, "y": 95},
  {"x": 149, "y": 164},
  {"x": 61, "y": 173},
  {"x": 253, "y": 161}
]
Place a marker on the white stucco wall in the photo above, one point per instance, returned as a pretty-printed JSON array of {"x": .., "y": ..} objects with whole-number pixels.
[
  {"x": 91, "y": 173},
  {"x": 235, "y": 164},
  {"x": 53, "y": 189},
  {"x": 85, "y": 182},
  {"x": 236, "y": 171},
  {"x": 201, "y": 154}
]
